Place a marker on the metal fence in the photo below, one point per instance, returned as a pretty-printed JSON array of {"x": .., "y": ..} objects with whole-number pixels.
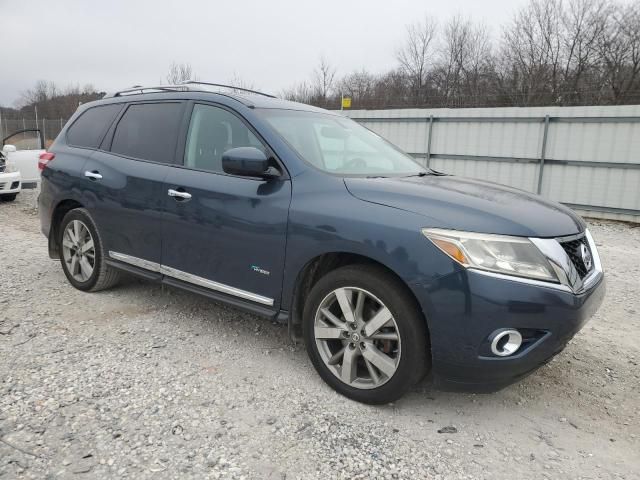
[
  {"x": 585, "y": 157},
  {"x": 50, "y": 127}
]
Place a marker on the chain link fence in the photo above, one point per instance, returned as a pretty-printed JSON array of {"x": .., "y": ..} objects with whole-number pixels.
[{"x": 49, "y": 127}]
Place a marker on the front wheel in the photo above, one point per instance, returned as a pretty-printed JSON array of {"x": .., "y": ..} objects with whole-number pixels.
[
  {"x": 365, "y": 334},
  {"x": 8, "y": 198}
]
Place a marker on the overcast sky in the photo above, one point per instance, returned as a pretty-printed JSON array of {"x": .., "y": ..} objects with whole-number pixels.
[{"x": 272, "y": 44}]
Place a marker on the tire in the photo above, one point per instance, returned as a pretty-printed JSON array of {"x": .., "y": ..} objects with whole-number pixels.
[
  {"x": 409, "y": 353},
  {"x": 8, "y": 198},
  {"x": 102, "y": 276}
]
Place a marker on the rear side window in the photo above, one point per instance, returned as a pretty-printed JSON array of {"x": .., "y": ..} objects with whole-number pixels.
[
  {"x": 87, "y": 131},
  {"x": 148, "y": 131}
]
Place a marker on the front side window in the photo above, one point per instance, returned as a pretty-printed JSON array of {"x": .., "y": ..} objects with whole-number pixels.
[
  {"x": 212, "y": 132},
  {"x": 339, "y": 145},
  {"x": 87, "y": 131},
  {"x": 148, "y": 131}
]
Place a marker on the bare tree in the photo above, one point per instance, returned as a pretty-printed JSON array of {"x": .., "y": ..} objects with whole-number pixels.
[
  {"x": 531, "y": 50},
  {"x": 583, "y": 23},
  {"x": 360, "y": 86},
  {"x": 465, "y": 60},
  {"x": 414, "y": 55},
  {"x": 323, "y": 78},
  {"x": 179, "y": 72},
  {"x": 480, "y": 63},
  {"x": 300, "y": 92},
  {"x": 41, "y": 92},
  {"x": 553, "y": 52},
  {"x": 53, "y": 101},
  {"x": 551, "y": 48},
  {"x": 237, "y": 81},
  {"x": 619, "y": 52}
]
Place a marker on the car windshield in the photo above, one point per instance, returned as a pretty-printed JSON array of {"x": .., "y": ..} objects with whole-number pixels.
[{"x": 339, "y": 145}]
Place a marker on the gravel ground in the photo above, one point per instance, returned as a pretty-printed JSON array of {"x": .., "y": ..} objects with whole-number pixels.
[{"x": 143, "y": 381}]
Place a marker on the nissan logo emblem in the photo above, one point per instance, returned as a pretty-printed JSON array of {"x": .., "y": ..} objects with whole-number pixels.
[{"x": 586, "y": 257}]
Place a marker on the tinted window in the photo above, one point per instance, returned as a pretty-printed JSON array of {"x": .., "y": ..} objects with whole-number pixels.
[
  {"x": 212, "y": 132},
  {"x": 148, "y": 131},
  {"x": 88, "y": 130}
]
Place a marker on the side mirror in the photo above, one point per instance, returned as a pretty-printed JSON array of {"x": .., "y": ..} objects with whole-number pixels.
[
  {"x": 248, "y": 162},
  {"x": 9, "y": 148}
]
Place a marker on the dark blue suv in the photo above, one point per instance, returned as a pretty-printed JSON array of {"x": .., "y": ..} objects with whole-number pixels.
[{"x": 387, "y": 269}]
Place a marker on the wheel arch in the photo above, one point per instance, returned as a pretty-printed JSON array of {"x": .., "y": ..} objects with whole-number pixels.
[
  {"x": 61, "y": 209},
  {"x": 320, "y": 265}
]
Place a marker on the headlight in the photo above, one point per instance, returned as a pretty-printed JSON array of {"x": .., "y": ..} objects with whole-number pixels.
[
  {"x": 10, "y": 166},
  {"x": 494, "y": 253}
]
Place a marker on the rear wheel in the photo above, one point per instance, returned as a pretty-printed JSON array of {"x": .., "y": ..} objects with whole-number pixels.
[
  {"x": 82, "y": 256},
  {"x": 8, "y": 198},
  {"x": 365, "y": 334}
]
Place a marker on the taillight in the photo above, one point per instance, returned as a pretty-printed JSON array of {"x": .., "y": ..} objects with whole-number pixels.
[{"x": 45, "y": 158}]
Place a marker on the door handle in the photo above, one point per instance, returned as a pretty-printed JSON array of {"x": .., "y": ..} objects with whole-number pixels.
[
  {"x": 177, "y": 194},
  {"x": 93, "y": 175}
]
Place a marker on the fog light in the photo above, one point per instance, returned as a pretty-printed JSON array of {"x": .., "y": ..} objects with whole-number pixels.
[{"x": 506, "y": 342}]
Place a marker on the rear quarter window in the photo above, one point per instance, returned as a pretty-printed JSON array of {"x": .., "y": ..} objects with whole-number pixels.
[
  {"x": 148, "y": 131},
  {"x": 89, "y": 128}
]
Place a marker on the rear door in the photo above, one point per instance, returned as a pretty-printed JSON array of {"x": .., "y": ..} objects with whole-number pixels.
[
  {"x": 230, "y": 235},
  {"x": 123, "y": 181}
]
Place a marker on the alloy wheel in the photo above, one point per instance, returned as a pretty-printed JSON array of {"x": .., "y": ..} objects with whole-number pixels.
[
  {"x": 78, "y": 250},
  {"x": 357, "y": 337}
]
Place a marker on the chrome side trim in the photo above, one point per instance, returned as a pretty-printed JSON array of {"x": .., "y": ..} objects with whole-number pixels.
[
  {"x": 559, "y": 261},
  {"x": 562, "y": 264},
  {"x": 187, "y": 277},
  {"x": 219, "y": 287},
  {"x": 568, "y": 277},
  {"x": 597, "y": 271},
  {"x": 569, "y": 238},
  {"x": 597, "y": 265},
  {"x": 135, "y": 261},
  {"x": 528, "y": 281}
]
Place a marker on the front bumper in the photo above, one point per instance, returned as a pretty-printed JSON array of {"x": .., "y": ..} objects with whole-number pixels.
[
  {"x": 10, "y": 183},
  {"x": 464, "y": 308}
]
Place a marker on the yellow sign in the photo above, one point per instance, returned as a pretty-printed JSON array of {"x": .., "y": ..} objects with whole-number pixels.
[{"x": 346, "y": 102}]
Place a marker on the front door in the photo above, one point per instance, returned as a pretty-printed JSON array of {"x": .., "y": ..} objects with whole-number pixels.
[{"x": 223, "y": 232}]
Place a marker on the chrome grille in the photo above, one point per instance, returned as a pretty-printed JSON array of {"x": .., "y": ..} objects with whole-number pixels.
[{"x": 573, "y": 247}]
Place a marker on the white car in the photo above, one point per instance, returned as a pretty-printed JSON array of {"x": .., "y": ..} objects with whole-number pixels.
[
  {"x": 19, "y": 162},
  {"x": 10, "y": 178}
]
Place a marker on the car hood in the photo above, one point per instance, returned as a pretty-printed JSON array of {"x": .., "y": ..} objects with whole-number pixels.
[{"x": 469, "y": 205}]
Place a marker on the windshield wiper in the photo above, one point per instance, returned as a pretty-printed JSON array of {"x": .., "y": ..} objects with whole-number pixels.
[{"x": 424, "y": 174}]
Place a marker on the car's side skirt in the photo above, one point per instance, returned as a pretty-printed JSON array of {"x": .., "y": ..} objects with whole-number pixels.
[{"x": 190, "y": 278}]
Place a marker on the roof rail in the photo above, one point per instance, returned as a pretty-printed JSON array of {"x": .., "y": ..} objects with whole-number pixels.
[
  {"x": 196, "y": 82},
  {"x": 140, "y": 89},
  {"x": 182, "y": 87}
]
